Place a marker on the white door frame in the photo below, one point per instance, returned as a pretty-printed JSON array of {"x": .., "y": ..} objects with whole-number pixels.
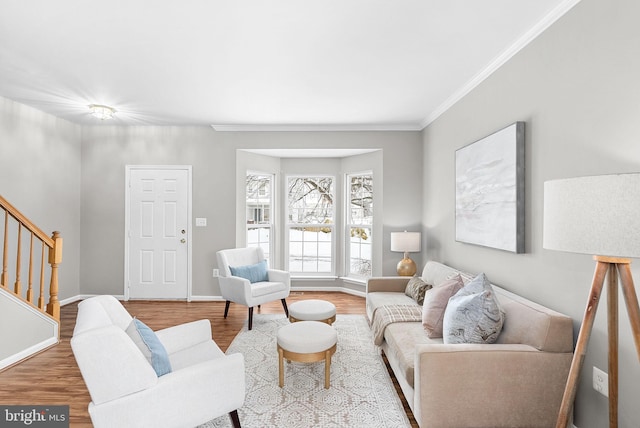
[{"x": 127, "y": 221}]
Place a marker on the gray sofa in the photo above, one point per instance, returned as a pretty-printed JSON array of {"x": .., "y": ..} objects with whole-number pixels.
[{"x": 516, "y": 382}]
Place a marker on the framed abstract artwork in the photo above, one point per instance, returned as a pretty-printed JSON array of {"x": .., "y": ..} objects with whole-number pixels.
[{"x": 490, "y": 190}]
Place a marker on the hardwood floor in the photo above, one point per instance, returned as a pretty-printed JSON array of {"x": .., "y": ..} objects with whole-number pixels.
[{"x": 52, "y": 377}]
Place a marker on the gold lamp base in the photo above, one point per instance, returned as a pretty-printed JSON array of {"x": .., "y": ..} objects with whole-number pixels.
[{"x": 406, "y": 267}]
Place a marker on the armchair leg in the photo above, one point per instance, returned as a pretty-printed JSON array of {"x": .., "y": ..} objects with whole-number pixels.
[
  {"x": 235, "y": 420},
  {"x": 250, "y": 318},
  {"x": 284, "y": 305},
  {"x": 226, "y": 308}
]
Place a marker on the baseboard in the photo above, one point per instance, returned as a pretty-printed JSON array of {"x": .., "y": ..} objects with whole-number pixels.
[
  {"x": 337, "y": 289},
  {"x": 210, "y": 298},
  {"x": 29, "y": 352},
  {"x": 79, "y": 297},
  {"x": 207, "y": 299}
]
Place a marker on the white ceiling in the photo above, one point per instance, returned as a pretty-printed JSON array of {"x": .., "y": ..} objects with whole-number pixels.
[{"x": 259, "y": 64}]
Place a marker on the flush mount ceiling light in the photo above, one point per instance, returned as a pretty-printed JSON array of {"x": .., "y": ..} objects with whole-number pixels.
[{"x": 102, "y": 112}]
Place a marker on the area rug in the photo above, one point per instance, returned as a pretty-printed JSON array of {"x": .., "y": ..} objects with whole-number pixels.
[{"x": 361, "y": 393}]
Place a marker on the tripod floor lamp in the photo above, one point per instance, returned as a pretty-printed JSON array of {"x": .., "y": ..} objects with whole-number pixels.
[{"x": 597, "y": 215}]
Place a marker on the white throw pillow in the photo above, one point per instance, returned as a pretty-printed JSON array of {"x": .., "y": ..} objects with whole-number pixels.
[{"x": 473, "y": 314}]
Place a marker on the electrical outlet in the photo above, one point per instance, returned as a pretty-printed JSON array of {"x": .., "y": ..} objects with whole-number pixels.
[
  {"x": 600, "y": 381},
  {"x": 216, "y": 273}
]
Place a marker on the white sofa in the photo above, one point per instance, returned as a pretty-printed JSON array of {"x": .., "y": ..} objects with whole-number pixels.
[
  {"x": 516, "y": 382},
  {"x": 125, "y": 391}
]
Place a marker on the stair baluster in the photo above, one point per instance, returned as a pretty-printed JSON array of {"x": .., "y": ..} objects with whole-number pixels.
[{"x": 53, "y": 244}]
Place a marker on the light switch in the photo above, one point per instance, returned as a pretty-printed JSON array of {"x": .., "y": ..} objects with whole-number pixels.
[{"x": 200, "y": 221}]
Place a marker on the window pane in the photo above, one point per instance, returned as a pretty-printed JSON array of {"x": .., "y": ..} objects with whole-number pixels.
[
  {"x": 264, "y": 234},
  {"x": 325, "y": 236},
  {"x": 360, "y": 213},
  {"x": 310, "y": 211},
  {"x": 361, "y": 199},
  {"x": 310, "y": 249},
  {"x": 260, "y": 237},
  {"x": 310, "y": 199},
  {"x": 310, "y": 264},
  {"x": 324, "y": 265},
  {"x": 324, "y": 250},
  {"x": 253, "y": 236},
  {"x": 360, "y": 251},
  {"x": 259, "y": 200},
  {"x": 295, "y": 264}
]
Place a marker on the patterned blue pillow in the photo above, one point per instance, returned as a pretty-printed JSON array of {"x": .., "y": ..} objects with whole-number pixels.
[
  {"x": 153, "y": 350},
  {"x": 254, "y": 273}
]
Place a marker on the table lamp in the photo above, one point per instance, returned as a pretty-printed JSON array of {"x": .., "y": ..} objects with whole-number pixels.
[
  {"x": 405, "y": 242},
  {"x": 597, "y": 215}
]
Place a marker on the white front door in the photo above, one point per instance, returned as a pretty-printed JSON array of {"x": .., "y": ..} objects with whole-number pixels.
[{"x": 158, "y": 232}]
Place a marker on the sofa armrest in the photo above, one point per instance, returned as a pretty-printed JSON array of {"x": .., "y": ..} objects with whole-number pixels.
[
  {"x": 387, "y": 283},
  {"x": 112, "y": 366},
  {"x": 186, "y": 397},
  {"x": 276, "y": 275},
  {"x": 184, "y": 336},
  {"x": 488, "y": 385},
  {"x": 235, "y": 289}
]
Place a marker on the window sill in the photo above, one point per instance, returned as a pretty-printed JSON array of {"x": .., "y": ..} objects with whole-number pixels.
[
  {"x": 314, "y": 278},
  {"x": 356, "y": 281}
]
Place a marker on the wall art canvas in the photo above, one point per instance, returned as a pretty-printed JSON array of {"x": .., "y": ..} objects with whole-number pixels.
[{"x": 490, "y": 190}]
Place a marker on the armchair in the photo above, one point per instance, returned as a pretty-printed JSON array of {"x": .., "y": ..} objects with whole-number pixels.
[
  {"x": 241, "y": 290},
  {"x": 125, "y": 390}
]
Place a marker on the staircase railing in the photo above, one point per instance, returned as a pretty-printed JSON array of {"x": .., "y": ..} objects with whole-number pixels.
[{"x": 14, "y": 224}]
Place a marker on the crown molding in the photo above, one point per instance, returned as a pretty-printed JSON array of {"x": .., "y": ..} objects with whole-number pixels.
[
  {"x": 316, "y": 128},
  {"x": 501, "y": 59}
]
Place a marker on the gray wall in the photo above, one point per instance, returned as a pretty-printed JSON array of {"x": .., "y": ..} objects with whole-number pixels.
[
  {"x": 40, "y": 176},
  {"x": 107, "y": 149},
  {"x": 577, "y": 88}
]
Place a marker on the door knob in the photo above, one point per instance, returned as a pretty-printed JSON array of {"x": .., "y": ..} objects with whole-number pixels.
[{"x": 183, "y": 240}]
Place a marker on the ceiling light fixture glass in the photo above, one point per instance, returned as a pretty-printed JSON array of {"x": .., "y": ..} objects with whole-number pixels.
[{"x": 102, "y": 112}]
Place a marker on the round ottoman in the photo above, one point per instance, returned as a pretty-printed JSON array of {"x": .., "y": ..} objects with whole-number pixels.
[
  {"x": 312, "y": 310},
  {"x": 306, "y": 342}
]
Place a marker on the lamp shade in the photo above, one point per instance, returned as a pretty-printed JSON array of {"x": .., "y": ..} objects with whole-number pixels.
[
  {"x": 597, "y": 215},
  {"x": 405, "y": 242}
]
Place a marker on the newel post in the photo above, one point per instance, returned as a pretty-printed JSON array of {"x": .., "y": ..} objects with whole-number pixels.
[{"x": 55, "y": 257}]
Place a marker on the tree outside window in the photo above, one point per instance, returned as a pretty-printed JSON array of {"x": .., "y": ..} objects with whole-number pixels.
[
  {"x": 310, "y": 215},
  {"x": 359, "y": 224}
]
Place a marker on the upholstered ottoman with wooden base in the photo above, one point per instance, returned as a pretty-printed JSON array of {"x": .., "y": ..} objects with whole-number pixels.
[
  {"x": 306, "y": 342},
  {"x": 312, "y": 310}
]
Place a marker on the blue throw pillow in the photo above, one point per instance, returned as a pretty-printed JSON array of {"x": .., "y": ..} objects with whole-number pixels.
[
  {"x": 254, "y": 273},
  {"x": 153, "y": 350}
]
